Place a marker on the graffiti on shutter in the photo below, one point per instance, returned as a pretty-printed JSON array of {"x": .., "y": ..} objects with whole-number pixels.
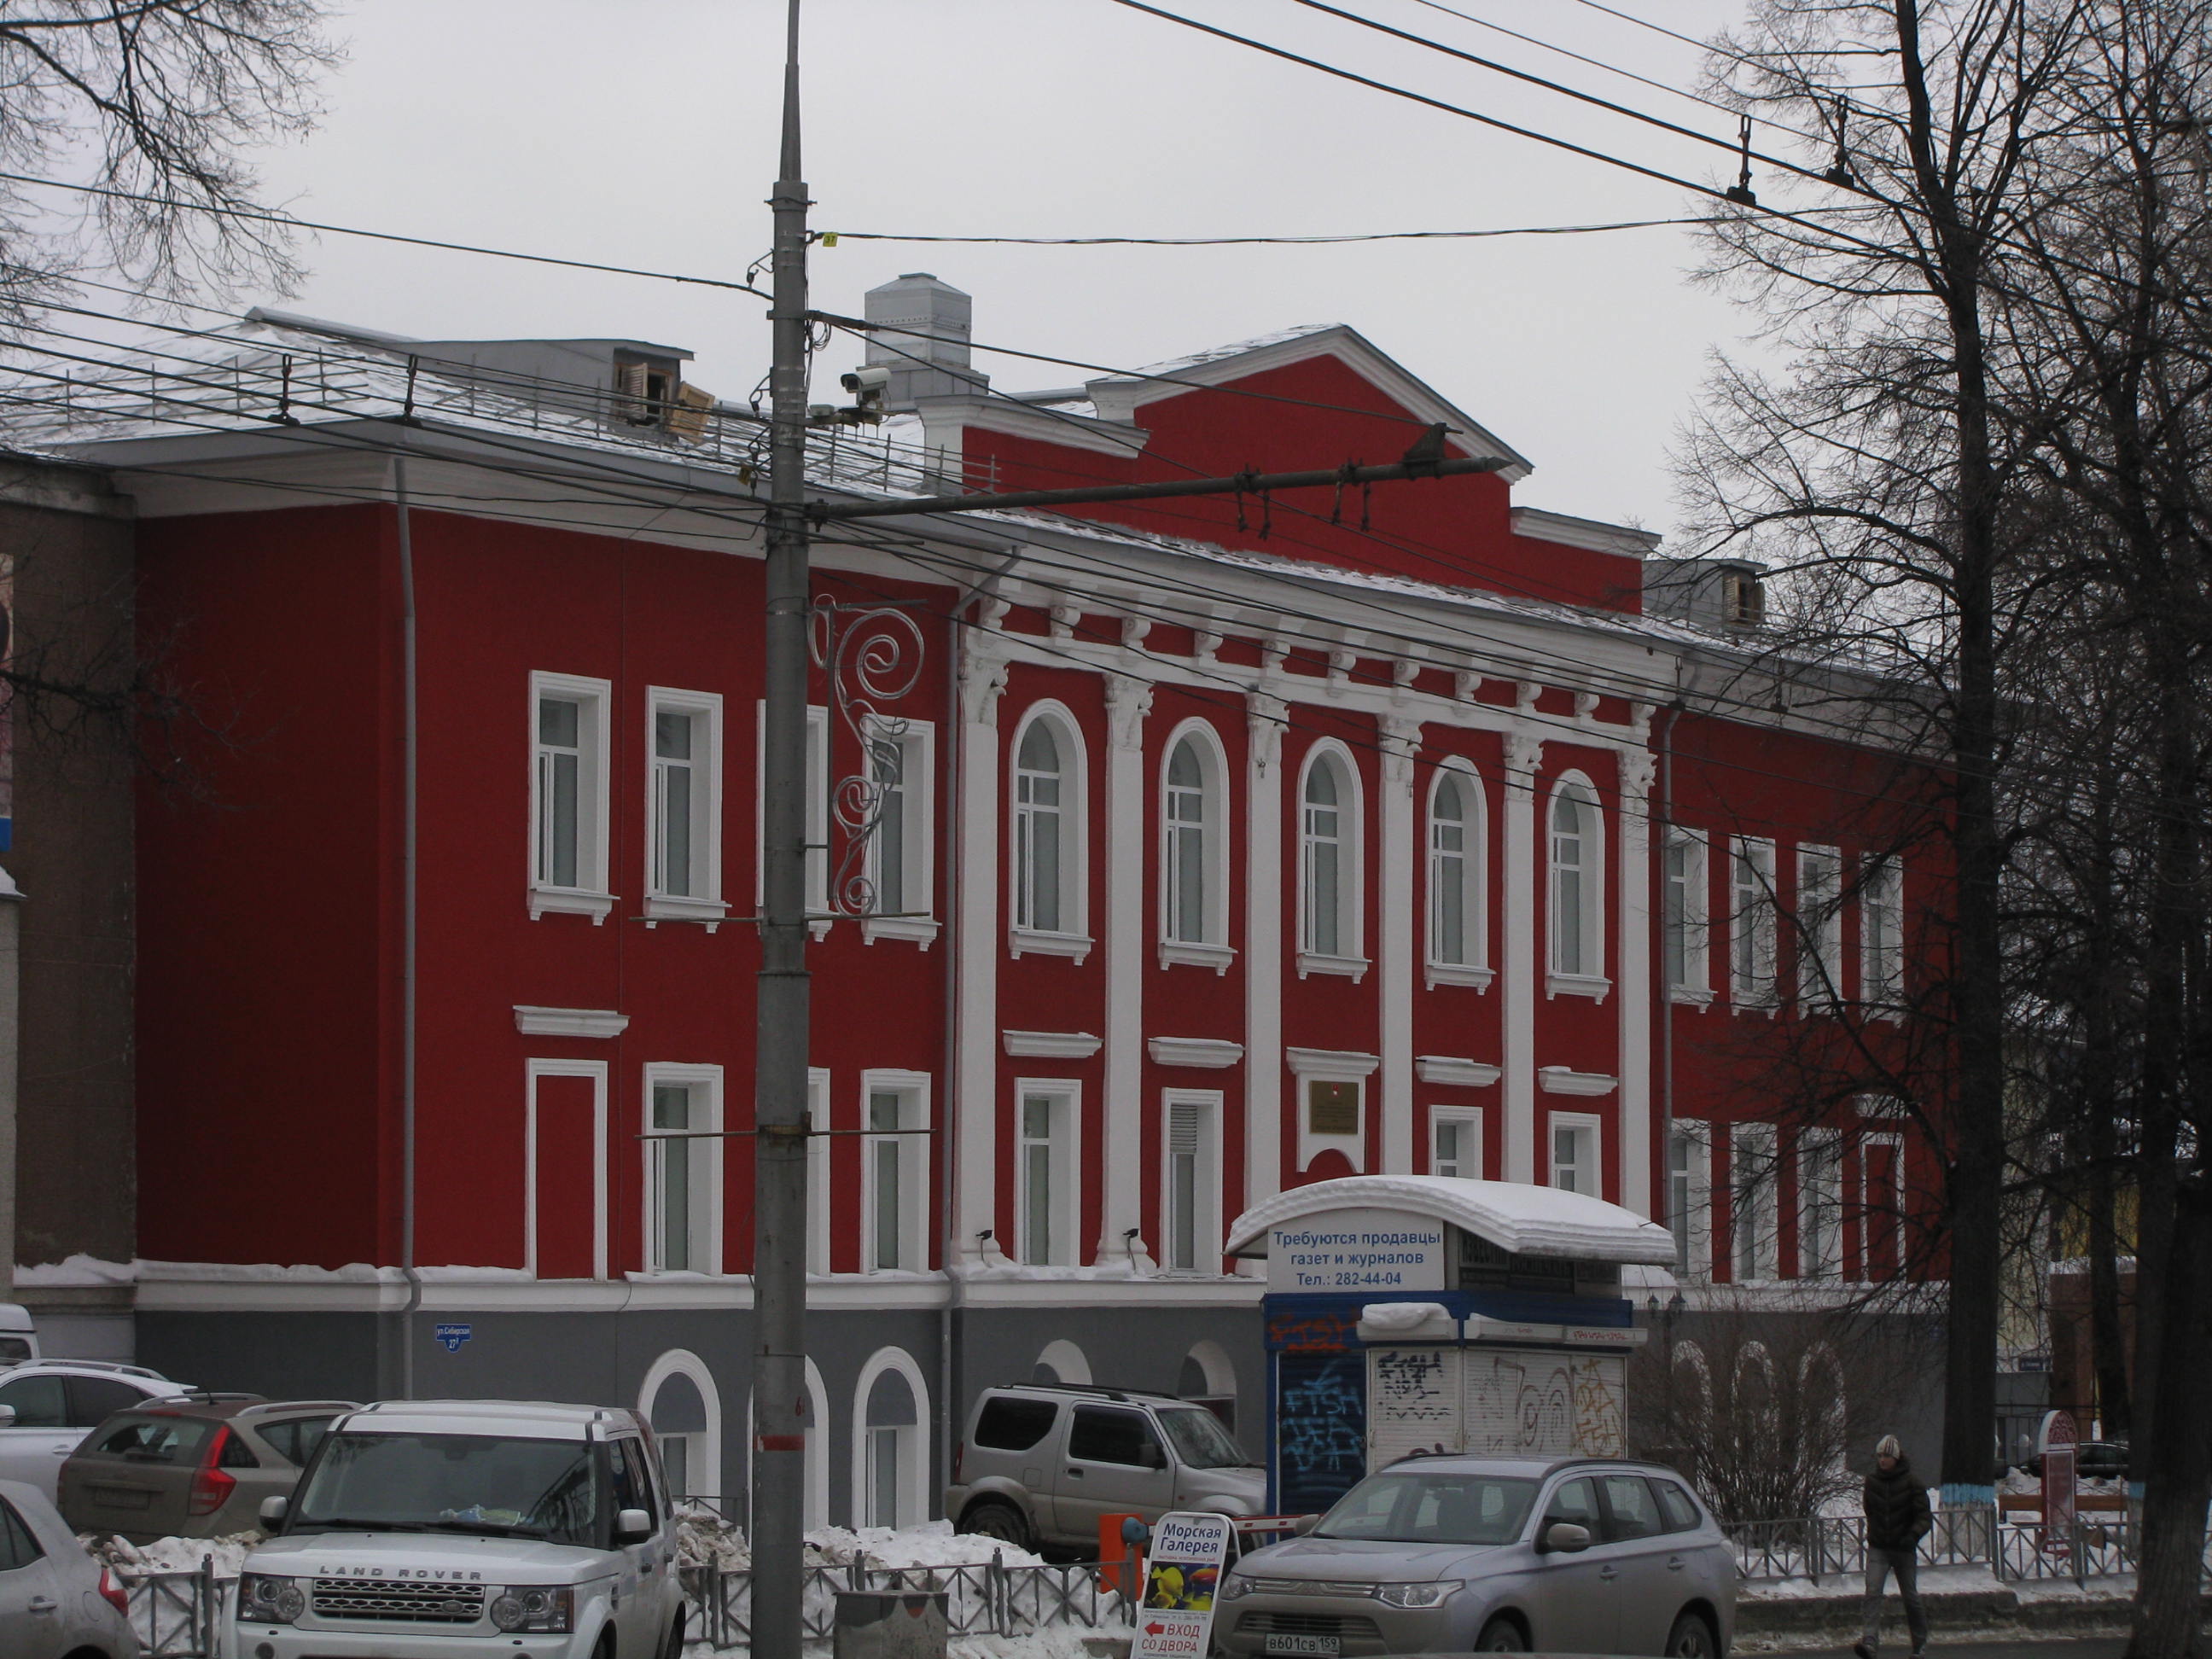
[
  {"x": 1412, "y": 1402},
  {"x": 1528, "y": 1403}
]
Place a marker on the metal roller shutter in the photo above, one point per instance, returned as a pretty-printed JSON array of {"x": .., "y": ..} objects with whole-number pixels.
[{"x": 1412, "y": 1402}]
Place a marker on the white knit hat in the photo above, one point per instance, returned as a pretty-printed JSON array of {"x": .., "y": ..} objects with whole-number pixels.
[{"x": 1888, "y": 1447}]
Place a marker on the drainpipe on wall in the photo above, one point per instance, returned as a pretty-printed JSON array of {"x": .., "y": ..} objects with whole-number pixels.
[
  {"x": 11, "y": 935},
  {"x": 1671, "y": 713},
  {"x": 408, "y": 887}
]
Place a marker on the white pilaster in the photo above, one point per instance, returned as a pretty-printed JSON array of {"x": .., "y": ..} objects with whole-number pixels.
[
  {"x": 1638, "y": 768},
  {"x": 1128, "y": 702},
  {"x": 1266, "y": 717},
  {"x": 976, "y": 1074},
  {"x": 1517, "y": 877},
  {"x": 1394, "y": 941}
]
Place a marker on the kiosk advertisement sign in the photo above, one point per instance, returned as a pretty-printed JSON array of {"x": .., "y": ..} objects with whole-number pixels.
[
  {"x": 1182, "y": 1572},
  {"x": 1376, "y": 1253}
]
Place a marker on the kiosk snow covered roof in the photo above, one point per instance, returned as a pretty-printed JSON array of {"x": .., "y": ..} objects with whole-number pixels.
[{"x": 1411, "y": 1314}]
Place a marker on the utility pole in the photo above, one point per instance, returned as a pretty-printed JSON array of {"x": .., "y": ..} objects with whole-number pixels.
[{"x": 780, "y": 1117}]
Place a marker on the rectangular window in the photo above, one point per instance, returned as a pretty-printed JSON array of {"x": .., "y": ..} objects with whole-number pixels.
[
  {"x": 1820, "y": 926},
  {"x": 684, "y": 806},
  {"x": 1456, "y": 1139},
  {"x": 1881, "y": 1203},
  {"x": 900, "y": 854},
  {"x": 817, "y": 809},
  {"x": 1687, "y": 916},
  {"x": 1190, "y": 1206},
  {"x": 893, "y": 1160},
  {"x": 1689, "y": 1199},
  {"x": 683, "y": 1188},
  {"x": 1751, "y": 1159},
  {"x": 1752, "y": 918},
  {"x": 1047, "y": 1200},
  {"x": 1575, "y": 1155},
  {"x": 1820, "y": 1204},
  {"x": 1881, "y": 935},
  {"x": 568, "y": 795}
]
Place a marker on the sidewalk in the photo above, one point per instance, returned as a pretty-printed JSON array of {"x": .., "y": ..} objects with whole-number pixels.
[{"x": 1777, "y": 1615}]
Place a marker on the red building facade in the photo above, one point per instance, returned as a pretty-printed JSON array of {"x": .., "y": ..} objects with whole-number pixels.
[{"x": 1213, "y": 846}]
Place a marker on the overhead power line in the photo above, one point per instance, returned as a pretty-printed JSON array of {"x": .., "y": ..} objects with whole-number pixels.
[
  {"x": 287, "y": 220},
  {"x": 1278, "y": 241}
]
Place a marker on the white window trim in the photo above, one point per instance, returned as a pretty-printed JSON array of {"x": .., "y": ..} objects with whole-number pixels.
[
  {"x": 915, "y": 1493},
  {"x": 1830, "y": 1266},
  {"x": 596, "y": 1071},
  {"x": 918, "y": 779},
  {"x": 1596, "y": 888},
  {"x": 1073, "y": 938},
  {"x": 1696, "y": 989},
  {"x": 1749, "y": 995},
  {"x": 1208, "y": 1223},
  {"x": 1471, "y": 1116},
  {"x": 709, "y": 1078},
  {"x": 1699, "y": 1135},
  {"x": 818, "y": 756},
  {"x": 1351, "y": 887},
  {"x": 818, "y": 1173},
  {"x": 1765, "y": 1242},
  {"x": 1589, "y": 1124},
  {"x": 1330, "y": 1065},
  {"x": 1894, "y": 1215},
  {"x": 708, "y": 906},
  {"x": 681, "y": 1362},
  {"x": 1474, "y": 860},
  {"x": 914, "y": 1171},
  {"x": 1881, "y": 985},
  {"x": 1819, "y": 939},
  {"x": 1214, "y": 951},
  {"x": 590, "y": 897},
  {"x": 1066, "y": 1093}
]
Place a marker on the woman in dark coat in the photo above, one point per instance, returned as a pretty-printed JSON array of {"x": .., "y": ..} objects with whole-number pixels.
[{"x": 1897, "y": 1519}]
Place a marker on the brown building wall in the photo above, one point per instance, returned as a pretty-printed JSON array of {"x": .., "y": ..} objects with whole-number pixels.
[{"x": 66, "y": 553}]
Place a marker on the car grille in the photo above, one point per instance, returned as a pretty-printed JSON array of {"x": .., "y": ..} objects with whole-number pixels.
[
  {"x": 1350, "y": 1626},
  {"x": 399, "y": 1599}
]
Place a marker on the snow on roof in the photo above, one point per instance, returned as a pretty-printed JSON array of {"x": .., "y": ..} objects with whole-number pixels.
[
  {"x": 1525, "y": 1220},
  {"x": 1235, "y": 348}
]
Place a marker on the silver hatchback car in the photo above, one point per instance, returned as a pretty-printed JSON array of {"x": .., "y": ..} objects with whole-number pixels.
[{"x": 1449, "y": 1553}]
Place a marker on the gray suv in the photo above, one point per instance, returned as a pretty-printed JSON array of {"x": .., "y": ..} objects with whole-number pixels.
[
  {"x": 1040, "y": 1466},
  {"x": 1449, "y": 1553}
]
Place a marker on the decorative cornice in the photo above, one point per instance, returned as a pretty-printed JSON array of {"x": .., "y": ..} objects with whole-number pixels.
[
  {"x": 1450, "y": 1070},
  {"x": 1211, "y": 1054},
  {"x": 1127, "y": 702},
  {"x": 569, "y": 1022},
  {"x": 1563, "y": 1080},
  {"x": 1050, "y": 1045},
  {"x": 1338, "y": 1063}
]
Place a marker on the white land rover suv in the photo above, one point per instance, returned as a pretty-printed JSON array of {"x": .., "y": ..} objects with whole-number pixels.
[{"x": 435, "y": 1529}]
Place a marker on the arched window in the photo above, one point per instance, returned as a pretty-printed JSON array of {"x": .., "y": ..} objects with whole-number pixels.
[
  {"x": 1457, "y": 931},
  {"x": 1577, "y": 886},
  {"x": 1328, "y": 857},
  {"x": 681, "y": 1402},
  {"x": 890, "y": 1466},
  {"x": 1193, "y": 869},
  {"x": 1047, "y": 829}
]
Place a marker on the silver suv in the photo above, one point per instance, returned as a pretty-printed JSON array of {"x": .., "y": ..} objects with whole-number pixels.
[
  {"x": 1039, "y": 1464},
  {"x": 1449, "y": 1553}
]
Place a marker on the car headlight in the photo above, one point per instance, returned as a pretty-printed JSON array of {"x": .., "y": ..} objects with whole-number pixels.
[
  {"x": 1414, "y": 1595},
  {"x": 267, "y": 1599},
  {"x": 1232, "y": 1587},
  {"x": 545, "y": 1608}
]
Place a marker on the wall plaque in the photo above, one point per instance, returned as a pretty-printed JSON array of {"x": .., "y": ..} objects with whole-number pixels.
[{"x": 1332, "y": 1108}]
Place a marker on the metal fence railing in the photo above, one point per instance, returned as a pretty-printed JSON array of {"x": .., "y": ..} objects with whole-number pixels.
[
  {"x": 1828, "y": 1545},
  {"x": 179, "y": 1615}
]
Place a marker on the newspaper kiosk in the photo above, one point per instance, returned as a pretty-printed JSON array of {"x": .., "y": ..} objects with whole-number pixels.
[{"x": 1429, "y": 1313}]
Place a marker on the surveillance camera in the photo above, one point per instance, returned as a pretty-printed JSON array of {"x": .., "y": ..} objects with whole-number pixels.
[{"x": 869, "y": 384}]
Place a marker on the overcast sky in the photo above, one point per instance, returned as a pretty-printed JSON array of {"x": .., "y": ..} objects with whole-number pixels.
[{"x": 644, "y": 134}]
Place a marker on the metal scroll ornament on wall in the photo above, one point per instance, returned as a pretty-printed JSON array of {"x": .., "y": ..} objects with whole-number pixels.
[{"x": 872, "y": 655}]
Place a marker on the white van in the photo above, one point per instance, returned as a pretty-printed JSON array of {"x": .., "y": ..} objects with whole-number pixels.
[
  {"x": 435, "y": 1529},
  {"x": 19, "y": 1337}
]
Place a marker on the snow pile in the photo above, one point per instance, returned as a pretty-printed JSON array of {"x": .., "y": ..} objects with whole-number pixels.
[
  {"x": 705, "y": 1537},
  {"x": 228, "y": 1553},
  {"x": 1527, "y": 1220}
]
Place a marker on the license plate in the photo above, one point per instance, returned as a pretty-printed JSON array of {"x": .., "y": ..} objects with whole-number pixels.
[
  {"x": 122, "y": 1497},
  {"x": 1326, "y": 1645}
]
